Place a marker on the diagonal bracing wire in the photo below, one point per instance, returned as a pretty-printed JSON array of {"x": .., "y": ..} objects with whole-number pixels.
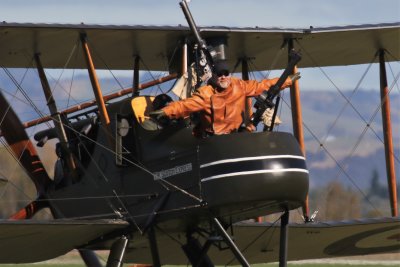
[{"x": 348, "y": 102}]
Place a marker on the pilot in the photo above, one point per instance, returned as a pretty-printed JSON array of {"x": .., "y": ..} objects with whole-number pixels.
[{"x": 221, "y": 102}]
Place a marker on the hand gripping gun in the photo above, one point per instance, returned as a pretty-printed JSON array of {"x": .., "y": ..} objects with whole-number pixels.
[{"x": 264, "y": 100}]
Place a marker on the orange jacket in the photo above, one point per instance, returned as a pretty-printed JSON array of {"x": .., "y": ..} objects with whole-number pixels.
[{"x": 222, "y": 112}]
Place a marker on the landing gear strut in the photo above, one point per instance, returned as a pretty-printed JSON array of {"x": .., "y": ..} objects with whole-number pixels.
[
  {"x": 117, "y": 252},
  {"x": 90, "y": 258},
  {"x": 197, "y": 254},
  {"x": 283, "y": 242},
  {"x": 153, "y": 247}
]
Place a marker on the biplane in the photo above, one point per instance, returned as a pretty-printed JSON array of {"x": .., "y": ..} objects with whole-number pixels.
[{"x": 151, "y": 192}]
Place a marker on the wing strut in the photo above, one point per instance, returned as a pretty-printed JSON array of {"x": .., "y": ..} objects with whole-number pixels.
[
  {"x": 57, "y": 119},
  {"x": 105, "y": 119},
  {"x": 136, "y": 76},
  {"x": 297, "y": 121},
  {"x": 108, "y": 97},
  {"x": 387, "y": 130}
]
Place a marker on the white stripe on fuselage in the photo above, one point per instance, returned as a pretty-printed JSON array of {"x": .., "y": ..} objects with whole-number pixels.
[
  {"x": 252, "y": 172},
  {"x": 250, "y": 158}
]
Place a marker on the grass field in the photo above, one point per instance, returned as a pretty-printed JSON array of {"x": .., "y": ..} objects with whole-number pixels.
[
  {"x": 296, "y": 264},
  {"x": 72, "y": 259},
  {"x": 258, "y": 265}
]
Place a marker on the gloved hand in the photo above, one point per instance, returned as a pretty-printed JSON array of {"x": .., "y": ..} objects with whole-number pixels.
[
  {"x": 157, "y": 114},
  {"x": 267, "y": 117},
  {"x": 295, "y": 77}
]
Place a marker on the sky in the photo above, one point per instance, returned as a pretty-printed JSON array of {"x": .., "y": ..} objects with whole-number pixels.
[
  {"x": 262, "y": 13},
  {"x": 232, "y": 13}
]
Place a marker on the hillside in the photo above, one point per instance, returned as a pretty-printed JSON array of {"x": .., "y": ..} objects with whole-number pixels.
[
  {"x": 346, "y": 139},
  {"x": 339, "y": 145}
]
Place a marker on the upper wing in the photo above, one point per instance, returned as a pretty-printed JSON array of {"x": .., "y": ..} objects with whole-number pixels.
[
  {"x": 31, "y": 241},
  {"x": 115, "y": 46},
  {"x": 333, "y": 46}
]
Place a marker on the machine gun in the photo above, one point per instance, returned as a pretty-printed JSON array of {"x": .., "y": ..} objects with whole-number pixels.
[
  {"x": 265, "y": 99},
  {"x": 206, "y": 54}
]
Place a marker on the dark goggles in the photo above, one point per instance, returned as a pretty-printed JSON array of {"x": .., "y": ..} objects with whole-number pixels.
[{"x": 223, "y": 73}]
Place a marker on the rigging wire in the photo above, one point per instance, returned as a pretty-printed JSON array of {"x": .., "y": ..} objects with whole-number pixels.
[
  {"x": 343, "y": 168},
  {"x": 14, "y": 96},
  {"x": 89, "y": 198},
  {"x": 69, "y": 93},
  {"x": 127, "y": 211},
  {"x": 344, "y": 97},
  {"x": 37, "y": 110},
  {"x": 115, "y": 78},
  {"x": 98, "y": 55},
  {"x": 393, "y": 56},
  {"x": 368, "y": 125},
  {"x": 26, "y": 96},
  {"x": 126, "y": 216},
  {"x": 391, "y": 69},
  {"x": 74, "y": 51},
  {"x": 396, "y": 77},
  {"x": 266, "y": 76},
  {"x": 142, "y": 167},
  {"x": 41, "y": 114},
  {"x": 278, "y": 54},
  {"x": 152, "y": 76},
  {"x": 339, "y": 115},
  {"x": 160, "y": 180},
  {"x": 398, "y": 90},
  {"x": 3, "y": 141},
  {"x": 379, "y": 107},
  {"x": 104, "y": 176},
  {"x": 150, "y": 172}
]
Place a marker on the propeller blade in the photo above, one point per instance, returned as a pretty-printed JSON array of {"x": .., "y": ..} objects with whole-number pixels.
[
  {"x": 23, "y": 149},
  {"x": 29, "y": 210}
]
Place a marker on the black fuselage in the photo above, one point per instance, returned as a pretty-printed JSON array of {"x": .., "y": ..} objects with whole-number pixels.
[{"x": 170, "y": 177}]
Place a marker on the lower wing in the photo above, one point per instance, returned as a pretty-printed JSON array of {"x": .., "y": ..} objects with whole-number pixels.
[
  {"x": 32, "y": 241},
  {"x": 23, "y": 241}
]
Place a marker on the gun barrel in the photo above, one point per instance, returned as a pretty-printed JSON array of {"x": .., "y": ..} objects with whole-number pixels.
[
  {"x": 294, "y": 59},
  {"x": 265, "y": 100},
  {"x": 192, "y": 24}
]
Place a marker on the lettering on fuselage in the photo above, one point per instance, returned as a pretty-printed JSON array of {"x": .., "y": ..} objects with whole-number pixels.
[{"x": 173, "y": 171}]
